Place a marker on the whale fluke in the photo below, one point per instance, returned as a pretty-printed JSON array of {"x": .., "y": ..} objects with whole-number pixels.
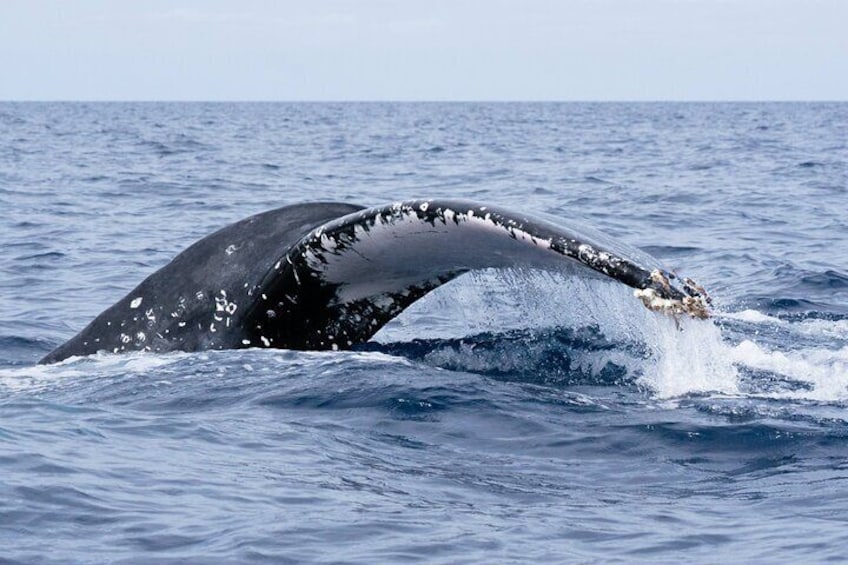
[{"x": 330, "y": 275}]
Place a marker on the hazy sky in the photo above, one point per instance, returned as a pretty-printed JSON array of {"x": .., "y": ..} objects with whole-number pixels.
[{"x": 424, "y": 50}]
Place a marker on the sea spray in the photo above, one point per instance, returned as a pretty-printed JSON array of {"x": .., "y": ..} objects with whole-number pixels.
[
  {"x": 687, "y": 357},
  {"x": 609, "y": 336}
]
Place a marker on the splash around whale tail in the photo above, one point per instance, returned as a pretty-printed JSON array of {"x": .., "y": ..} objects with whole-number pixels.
[{"x": 330, "y": 275}]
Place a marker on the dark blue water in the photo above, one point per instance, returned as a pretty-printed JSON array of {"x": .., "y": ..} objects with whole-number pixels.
[{"x": 510, "y": 416}]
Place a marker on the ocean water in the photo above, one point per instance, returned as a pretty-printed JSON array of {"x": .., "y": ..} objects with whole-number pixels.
[{"x": 510, "y": 416}]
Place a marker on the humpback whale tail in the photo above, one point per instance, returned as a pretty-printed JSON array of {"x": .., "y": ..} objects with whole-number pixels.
[{"x": 330, "y": 275}]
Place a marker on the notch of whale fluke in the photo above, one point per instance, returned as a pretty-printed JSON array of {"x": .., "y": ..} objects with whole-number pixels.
[{"x": 330, "y": 275}]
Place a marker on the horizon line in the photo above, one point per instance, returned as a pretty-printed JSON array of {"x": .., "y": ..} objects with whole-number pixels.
[{"x": 423, "y": 101}]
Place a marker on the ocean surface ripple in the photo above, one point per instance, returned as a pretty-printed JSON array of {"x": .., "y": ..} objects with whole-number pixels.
[{"x": 510, "y": 416}]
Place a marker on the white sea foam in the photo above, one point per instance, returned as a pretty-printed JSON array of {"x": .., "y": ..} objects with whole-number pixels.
[
  {"x": 683, "y": 356},
  {"x": 830, "y": 329},
  {"x": 173, "y": 365},
  {"x": 77, "y": 368},
  {"x": 823, "y": 372},
  {"x": 698, "y": 359},
  {"x": 689, "y": 359},
  {"x": 820, "y": 373}
]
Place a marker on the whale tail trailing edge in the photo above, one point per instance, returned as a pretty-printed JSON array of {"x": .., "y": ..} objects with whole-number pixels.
[{"x": 329, "y": 276}]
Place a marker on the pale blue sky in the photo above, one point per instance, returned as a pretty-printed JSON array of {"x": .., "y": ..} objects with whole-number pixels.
[{"x": 424, "y": 50}]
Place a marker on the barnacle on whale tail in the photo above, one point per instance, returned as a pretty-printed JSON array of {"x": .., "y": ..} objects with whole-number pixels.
[{"x": 694, "y": 303}]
